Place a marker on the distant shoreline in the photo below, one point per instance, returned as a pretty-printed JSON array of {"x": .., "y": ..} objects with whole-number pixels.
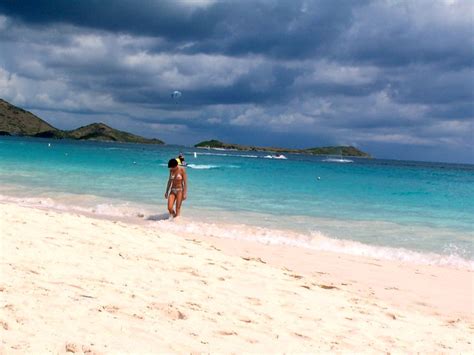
[
  {"x": 280, "y": 150},
  {"x": 347, "y": 151}
]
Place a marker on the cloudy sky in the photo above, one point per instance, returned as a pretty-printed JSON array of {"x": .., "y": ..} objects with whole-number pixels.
[{"x": 395, "y": 78}]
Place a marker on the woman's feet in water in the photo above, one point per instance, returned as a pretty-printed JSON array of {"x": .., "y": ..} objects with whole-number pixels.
[{"x": 173, "y": 214}]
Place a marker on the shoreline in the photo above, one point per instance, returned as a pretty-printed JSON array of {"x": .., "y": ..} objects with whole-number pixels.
[
  {"x": 86, "y": 282},
  {"x": 226, "y": 226}
]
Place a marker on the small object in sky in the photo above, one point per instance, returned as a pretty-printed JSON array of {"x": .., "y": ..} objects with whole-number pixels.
[{"x": 175, "y": 95}]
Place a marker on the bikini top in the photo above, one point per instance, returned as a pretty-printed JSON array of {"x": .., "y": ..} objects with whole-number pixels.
[{"x": 177, "y": 176}]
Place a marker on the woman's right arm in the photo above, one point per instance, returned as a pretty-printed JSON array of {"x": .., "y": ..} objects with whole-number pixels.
[{"x": 168, "y": 186}]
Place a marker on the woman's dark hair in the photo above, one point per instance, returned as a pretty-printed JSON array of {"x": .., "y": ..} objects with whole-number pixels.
[{"x": 172, "y": 163}]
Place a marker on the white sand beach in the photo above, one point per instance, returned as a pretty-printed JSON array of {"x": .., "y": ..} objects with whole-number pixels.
[{"x": 75, "y": 283}]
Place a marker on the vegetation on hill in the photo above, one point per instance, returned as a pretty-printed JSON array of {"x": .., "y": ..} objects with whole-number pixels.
[
  {"x": 335, "y": 150},
  {"x": 102, "y": 132},
  {"x": 15, "y": 121},
  {"x": 214, "y": 143},
  {"x": 338, "y": 150}
]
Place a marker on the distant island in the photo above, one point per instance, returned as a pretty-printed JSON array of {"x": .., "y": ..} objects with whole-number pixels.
[
  {"x": 333, "y": 150},
  {"x": 14, "y": 121}
]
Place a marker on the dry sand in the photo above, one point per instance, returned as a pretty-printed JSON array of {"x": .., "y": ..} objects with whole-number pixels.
[{"x": 73, "y": 283}]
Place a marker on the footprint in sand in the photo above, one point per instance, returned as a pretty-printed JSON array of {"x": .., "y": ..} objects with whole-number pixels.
[
  {"x": 453, "y": 321},
  {"x": 194, "y": 306},
  {"x": 391, "y": 315},
  {"x": 71, "y": 348},
  {"x": 302, "y": 336},
  {"x": 4, "y": 325},
  {"x": 194, "y": 241},
  {"x": 295, "y": 276},
  {"x": 227, "y": 332},
  {"x": 75, "y": 348},
  {"x": 246, "y": 320},
  {"x": 254, "y": 301},
  {"x": 168, "y": 310},
  {"x": 108, "y": 308},
  {"x": 326, "y": 287},
  {"x": 254, "y": 259},
  {"x": 190, "y": 271},
  {"x": 9, "y": 307}
]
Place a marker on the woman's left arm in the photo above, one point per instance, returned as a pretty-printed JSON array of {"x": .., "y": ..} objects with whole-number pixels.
[{"x": 185, "y": 183}]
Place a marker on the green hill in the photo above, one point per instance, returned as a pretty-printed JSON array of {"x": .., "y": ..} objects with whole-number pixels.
[
  {"x": 333, "y": 150},
  {"x": 15, "y": 121},
  {"x": 338, "y": 150},
  {"x": 214, "y": 143},
  {"x": 102, "y": 132},
  {"x": 18, "y": 122}
]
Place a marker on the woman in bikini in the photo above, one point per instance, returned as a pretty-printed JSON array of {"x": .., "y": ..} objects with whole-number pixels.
[{"x": 177, "y": 187}]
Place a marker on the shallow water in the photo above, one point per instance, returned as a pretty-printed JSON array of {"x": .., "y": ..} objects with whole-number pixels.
[{"x": 392, "y": 209}]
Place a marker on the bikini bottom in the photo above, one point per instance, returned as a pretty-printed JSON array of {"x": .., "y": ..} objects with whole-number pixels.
[{"x": 175, "y": 190}]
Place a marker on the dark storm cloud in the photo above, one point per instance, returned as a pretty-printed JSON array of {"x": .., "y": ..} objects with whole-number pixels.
[
  {"x": 274, "y": 72},
  {"x": 434, "y": 86},
  {"x": 287, "y": 29},
  {"x": 391, "y": 34},
  {"x": 296, "y": 29},
  {"x": 463, "y": 111},
  {"x": 157, "y": 18},
  {"x": 410, "y": 32}
]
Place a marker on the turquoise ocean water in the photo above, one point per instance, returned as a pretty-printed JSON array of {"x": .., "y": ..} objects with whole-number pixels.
[{"x": 413, "y": 211}]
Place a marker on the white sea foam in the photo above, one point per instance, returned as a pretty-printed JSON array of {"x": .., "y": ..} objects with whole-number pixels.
[
  {"x": 202, "y": 166},
  {"x": 206, "y": 166},
  {"x": 82, "y": 204},
  {"x": 314, "y": 240},
  {"x": 338, "y": 160},
  {"x": 228, "y": 155},
  {"x": 278, "y": 157}
]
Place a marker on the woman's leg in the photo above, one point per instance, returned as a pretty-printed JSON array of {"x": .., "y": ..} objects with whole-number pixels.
[
  {"x": 179, "y": 201},
  {"x": 171, "y": 199}
]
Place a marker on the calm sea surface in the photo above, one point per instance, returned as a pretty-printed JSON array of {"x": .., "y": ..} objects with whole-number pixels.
[{"x": 400, "y": 210}]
